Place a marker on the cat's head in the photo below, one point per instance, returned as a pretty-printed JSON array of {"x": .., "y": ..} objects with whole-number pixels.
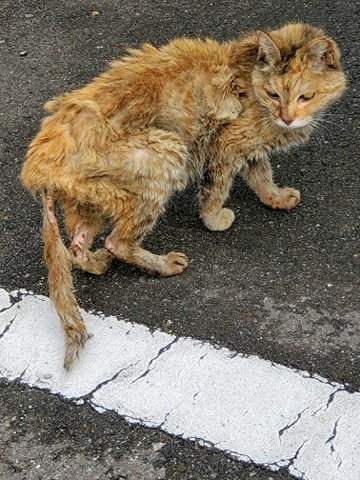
[{"x": 297, "y": 74}]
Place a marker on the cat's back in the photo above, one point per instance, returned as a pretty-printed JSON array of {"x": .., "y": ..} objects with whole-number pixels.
[
  {"x": 175, "y": 86},
  {"x": 180, "y": 67},
  {"x": 141, "y": 84}
]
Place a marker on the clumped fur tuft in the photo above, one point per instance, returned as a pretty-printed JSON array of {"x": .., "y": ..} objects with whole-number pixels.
[{"x": 114, "y": 151}]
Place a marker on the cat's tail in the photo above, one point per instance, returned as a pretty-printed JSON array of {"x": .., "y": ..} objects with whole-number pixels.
[{"x": 59, "y": 265}]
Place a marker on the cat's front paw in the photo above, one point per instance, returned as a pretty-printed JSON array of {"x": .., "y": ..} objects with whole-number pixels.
[
  {"x": 219, "y": 221},
  {"x": 285, "y": 199}
]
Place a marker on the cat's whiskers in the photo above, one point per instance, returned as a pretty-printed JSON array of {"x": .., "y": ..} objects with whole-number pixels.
[
  {"x": 328, "y": 123},
  {"x": 325, "y": 123},
  {"x": 330, "y": 114},
  {"x": 269, "y": 128},
  {"x": 326, "y": 120},
  {"x": 317, "y": 130},
  {"x": 267, "y": 125}
]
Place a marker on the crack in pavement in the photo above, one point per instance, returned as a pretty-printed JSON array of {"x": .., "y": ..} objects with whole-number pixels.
[
  {"x": 332, "y": 436},
  {"x": 289, "y": 462},
  {"x": 5, "y": 309},
  {"x": 22, "y": 374},
  {"x": 290, "y": 425},
  {"x": 162, "y": 424},
  {"x": 88, "y": 396},
  {"x": 8, "y": 326},
  {"x": 196, "y": 394},
  {"x": 332, "y": 395},
  {"x": 10, "y": 299},
  {"x": 160, "y": 352}
]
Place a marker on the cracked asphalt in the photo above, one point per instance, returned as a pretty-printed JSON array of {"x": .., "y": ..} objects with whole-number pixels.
[
  {"x": 188, "y": 389},
  {"x": 281, "y": 286}
]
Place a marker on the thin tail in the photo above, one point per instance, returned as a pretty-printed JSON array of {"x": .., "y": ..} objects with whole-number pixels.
[{"x": 59, "y": 264}]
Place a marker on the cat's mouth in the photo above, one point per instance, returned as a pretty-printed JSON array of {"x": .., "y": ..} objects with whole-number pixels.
[{"x": 293, "y": 124}]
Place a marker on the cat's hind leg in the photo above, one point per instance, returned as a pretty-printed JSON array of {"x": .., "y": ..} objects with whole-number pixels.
[
  {"x": 259, "y": 177},
  {"x": 130, "y": 252},
  {"x": 156, "y": 164},
  {"x": 82, "y": 225}
]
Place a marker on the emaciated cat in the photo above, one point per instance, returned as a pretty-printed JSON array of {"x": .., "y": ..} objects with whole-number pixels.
[{"x": 113, "y": 152}]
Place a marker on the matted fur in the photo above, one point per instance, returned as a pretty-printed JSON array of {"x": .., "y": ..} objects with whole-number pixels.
[{"x": 113, "y": 152}]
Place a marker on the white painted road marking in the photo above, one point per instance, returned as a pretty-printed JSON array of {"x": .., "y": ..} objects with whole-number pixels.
[{"x": 250, "y": 408}]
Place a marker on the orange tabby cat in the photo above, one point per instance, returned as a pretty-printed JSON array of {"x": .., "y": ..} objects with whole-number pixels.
[
  {"x": 114, "y": 151},
  {"x": 286, "y": 78}
]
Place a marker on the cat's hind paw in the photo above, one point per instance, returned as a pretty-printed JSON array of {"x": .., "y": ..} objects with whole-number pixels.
[
  {"x": 97, "y": 262},
  {"x": 219, "y": 221},
  {"x": 285, "y": 198},
  {"x": 174, "y": 264}
]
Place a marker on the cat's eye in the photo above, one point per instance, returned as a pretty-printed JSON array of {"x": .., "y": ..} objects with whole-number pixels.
[
  {"x": 305, "y": 97},
  {"x": 273, "y": 95}
]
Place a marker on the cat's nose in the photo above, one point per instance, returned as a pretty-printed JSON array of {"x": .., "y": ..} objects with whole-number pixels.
[{"x": 285, "y": 115}]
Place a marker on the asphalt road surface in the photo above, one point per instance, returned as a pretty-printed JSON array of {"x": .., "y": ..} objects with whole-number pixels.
[{"x": 284, "y": 287}]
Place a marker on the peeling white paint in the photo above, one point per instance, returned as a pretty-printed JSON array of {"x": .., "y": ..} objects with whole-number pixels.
[
  {"x": 4, "y": 300},
  {"x": 250, "y": 408}
]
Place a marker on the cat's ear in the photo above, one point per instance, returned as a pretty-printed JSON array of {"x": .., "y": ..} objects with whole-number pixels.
[
  {"x": 268, "y": 52},
  {"x": 323, "y": 53}
]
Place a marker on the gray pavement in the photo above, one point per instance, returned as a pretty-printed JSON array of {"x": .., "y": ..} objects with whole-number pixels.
[{"x": 281, "y": 286}]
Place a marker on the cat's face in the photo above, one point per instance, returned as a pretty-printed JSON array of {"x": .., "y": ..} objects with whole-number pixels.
[{"x": 295, "y": 79}]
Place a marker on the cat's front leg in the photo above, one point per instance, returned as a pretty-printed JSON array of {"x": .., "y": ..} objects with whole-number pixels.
[
  {"x": 214, "y": 190},
  {"x": 259, "y": 177}
]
